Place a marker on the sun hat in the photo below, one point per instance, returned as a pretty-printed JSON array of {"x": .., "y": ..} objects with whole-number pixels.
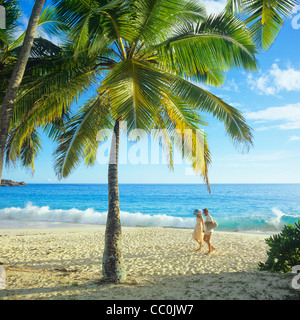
[{"x": 197, "y": 211}]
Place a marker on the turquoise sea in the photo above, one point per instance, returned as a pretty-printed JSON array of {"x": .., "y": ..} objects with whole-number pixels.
[{"x": 236, "y": 207}]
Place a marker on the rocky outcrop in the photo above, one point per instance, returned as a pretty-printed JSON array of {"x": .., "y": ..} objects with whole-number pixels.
[{"x": 10, "y": 183}]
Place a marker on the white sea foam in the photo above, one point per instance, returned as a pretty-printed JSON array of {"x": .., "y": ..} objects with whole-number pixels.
[
  {"x": 32, "y": 213},
  {"x": 277, "y": 219},
  {"x": 159, "y": 220},
  {"x": 90, "y": 216}
]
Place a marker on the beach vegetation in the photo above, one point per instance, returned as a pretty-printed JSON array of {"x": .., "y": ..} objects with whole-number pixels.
[{"x": 284, "y": 250}]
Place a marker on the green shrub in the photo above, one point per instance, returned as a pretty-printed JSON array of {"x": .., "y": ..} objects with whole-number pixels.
[{"x": 284, "y": 252}]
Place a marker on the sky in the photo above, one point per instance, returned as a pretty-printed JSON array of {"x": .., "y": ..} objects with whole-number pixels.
[{"x": 269, "y": 100}]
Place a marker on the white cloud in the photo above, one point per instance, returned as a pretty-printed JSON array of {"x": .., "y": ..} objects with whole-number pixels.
[
  {"x": 288, "y": 115},
  {"x": 236, "y": 104},
  {"x": 293, "y": 138},
  {"x": 290, "y": 112},
  {"x": 231, "y": 85},
  {"x": 276, "y": 80},
  {"x": 214, "y": 7}
]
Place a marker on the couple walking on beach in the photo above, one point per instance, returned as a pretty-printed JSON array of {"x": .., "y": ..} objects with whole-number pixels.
[{"x": 205, "y": 227}]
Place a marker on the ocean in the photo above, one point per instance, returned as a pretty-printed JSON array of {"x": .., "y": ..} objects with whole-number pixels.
[{"x": 236, "y": 207}]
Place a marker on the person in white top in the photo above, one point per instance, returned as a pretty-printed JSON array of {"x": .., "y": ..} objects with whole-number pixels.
[{"x": 207, "y": 232}]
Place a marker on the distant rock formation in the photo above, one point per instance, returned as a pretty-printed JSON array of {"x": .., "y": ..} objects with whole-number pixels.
[{"x": 10, "y": 183}]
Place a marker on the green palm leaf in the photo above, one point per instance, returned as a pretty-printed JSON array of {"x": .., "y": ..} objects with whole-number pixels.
[
  {"x": 135, "y": 92},
  {"x": 234, "y": 6},
  {"x": 80, "y": 138},
  {"x": 13, "y": 12},
  {"x": 26, "y": 153},
  {"x": 213, "y": 46},
  {"x": 265, "y": 18},
  {"x": 48, "y": 24},
  {"x": 50, "y": 87},
  {"x": 178, "y": 126},
  {"x": 204, "y": 101},
  {"x": 53, "y": 85},
  {"x": 155, "y": 19},
  {"x": 95, "y": 24}
]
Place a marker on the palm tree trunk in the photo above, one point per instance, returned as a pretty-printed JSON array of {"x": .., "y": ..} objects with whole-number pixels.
[
  {"x": 113, "y": 266},
  {"x": 16, "y": 78}
]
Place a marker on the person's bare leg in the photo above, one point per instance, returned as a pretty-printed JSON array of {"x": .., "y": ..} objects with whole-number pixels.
[
  {"x": 207, "y": 240},
  {"x": 201, "y": 245},
  {"x": 211, "y": 248}
]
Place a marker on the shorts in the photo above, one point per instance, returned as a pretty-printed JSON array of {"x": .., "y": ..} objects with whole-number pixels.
[{"x": 207, "y": 238}]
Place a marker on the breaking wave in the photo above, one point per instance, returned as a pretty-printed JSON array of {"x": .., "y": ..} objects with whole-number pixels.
[
  {"x": 90, "y": 216},
  {"x": 273, "y": 222}
]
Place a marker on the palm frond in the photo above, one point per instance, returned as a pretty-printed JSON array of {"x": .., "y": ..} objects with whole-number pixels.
[
  {"x": 49, "y": 24},
  {"x": 142, "y": 55},
  {"x": 204, "y": 101},
  {"x": 26, "y": 153},
  {"x": 266, "y": 19},
  {"x": 79, "y": 140},
  {"x": 181, "y": 132},
  {"x": 219, "y": 43},
  {"x": 40, "y": 48},
  {"x": 95, "y": 25},
  {"x": 135, "y": 92},
  {"x": 235, "y": 7},
  {"x": 155, "y": 20},
  {"x": 52, "y": 85},
  {"x": 13, "y": 12}
]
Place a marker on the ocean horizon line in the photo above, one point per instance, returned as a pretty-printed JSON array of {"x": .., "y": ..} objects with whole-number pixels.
[{"x": 174, "y": 183}]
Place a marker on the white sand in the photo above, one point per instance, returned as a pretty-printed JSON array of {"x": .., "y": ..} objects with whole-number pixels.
[{"x": 65, "y": 263}]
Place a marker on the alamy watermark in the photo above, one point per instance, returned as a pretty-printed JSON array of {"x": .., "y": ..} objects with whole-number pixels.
[
  {"x": 2, "y": 18},
  {"x": 2, "y": 278},
  {"x": 160, "y": 146},
  {"x": 295, "y": 281},
  {"x": 295, "y": 17}
]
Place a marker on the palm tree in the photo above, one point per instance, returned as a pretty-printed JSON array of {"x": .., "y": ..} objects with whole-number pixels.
[
  {"x": 16, "y": 78},
  {"x": 265, "y": 18},
  {"x": 49, "y": 85},
  {"x": 150, "y": 53}
]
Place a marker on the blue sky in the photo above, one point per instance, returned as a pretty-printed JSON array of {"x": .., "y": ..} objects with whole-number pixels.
[{"x": 269, "y": 100}]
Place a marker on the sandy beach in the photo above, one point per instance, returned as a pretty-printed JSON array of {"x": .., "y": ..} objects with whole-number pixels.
[{"x": 162, "y": 263}]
